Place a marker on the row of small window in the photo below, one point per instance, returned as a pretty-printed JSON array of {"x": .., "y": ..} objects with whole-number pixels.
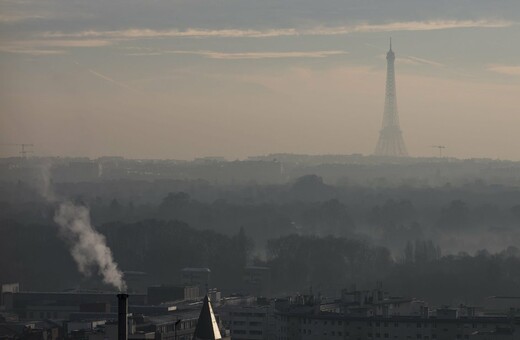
[
  {"x": 379, "y": 335},
  {"x": 187, "y": 324},
  {"x": 251, "y": 323},
  {"x": 241, "y": 331},
  {"x": 259, "y": 315},
  {"x": 325, "y": 322},
  {"x": 332, "y": 333},
  {"x": 418, "y": 336},
  {"x": 43, "y": 315},
  {"x": 422, "y": 325},
  {"x": 395, "y": 324}
]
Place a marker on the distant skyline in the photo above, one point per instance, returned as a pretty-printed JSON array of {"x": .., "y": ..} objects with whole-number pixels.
[{"x": 186, "y": 79}]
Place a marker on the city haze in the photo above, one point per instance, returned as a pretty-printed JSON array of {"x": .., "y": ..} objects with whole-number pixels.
[
  {"x": 259, "y": 170},
  {"x": 186, "y": 79}
]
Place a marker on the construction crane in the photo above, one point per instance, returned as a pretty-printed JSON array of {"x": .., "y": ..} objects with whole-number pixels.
[
  {"x": 23, "y": 150},
  {"x": 440, "y": 147}
]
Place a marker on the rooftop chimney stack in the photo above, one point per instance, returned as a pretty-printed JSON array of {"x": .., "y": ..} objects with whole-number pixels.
[{"x": 122, "y": 321}]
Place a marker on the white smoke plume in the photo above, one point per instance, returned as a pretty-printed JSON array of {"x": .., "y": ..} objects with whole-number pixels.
[{"x": 87, "y": 246}]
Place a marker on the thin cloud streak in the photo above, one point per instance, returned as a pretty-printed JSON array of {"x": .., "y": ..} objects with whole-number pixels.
[
  {"x": 510, "y": 70},
  {"x": 72, "y": 43},
  {"x": 93, "y": 38},
  {"x": 48, "y": 47},
  {"x": 29, "y": 51},
  {"x": 130, "y": 34},
  {"x": 248, "y": 33},
  {"x": 11, "y": 18},
  {"x": 248, "y": 55},
  {"x": 433, "y": 25}
]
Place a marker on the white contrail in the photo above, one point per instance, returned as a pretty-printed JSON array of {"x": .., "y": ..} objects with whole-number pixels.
[
  {"x": 410, "y": 58},
  {"x": 107, "y": 78}
]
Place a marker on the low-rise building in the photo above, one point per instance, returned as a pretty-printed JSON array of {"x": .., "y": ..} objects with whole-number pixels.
[
  {"x": 196, "y": 277},
  {"x": 377, "y": 315},
  {"x": 247, "y": 322},
  {"x": 170, "y": 293},
  {"x": 257, "y": 280}
]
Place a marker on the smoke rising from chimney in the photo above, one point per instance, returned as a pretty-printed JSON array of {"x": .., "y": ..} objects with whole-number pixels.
[{"x": 87, "y": 246}]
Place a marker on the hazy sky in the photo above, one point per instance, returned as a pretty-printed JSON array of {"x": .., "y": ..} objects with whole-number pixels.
[{"x": 183, "y": 79}]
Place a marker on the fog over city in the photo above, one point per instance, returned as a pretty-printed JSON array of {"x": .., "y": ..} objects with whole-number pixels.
[
  {"x": 185, "y": 79},
  {"x": 263, "y": 170}
]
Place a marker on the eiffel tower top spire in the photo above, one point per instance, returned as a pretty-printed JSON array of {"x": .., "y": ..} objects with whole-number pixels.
[{"x": 390, "y": 55}]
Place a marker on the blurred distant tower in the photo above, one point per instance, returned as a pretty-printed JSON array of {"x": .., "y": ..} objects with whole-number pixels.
[{"x": 390, "y": 141}]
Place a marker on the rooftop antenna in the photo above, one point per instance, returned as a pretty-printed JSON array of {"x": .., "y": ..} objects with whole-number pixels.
[
  {"x": 440, "y": 147},
  {"x": 390, "y": 43},
  {"x": 23, "y": 150}
]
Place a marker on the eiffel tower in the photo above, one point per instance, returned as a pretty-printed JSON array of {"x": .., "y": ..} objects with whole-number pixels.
[{"x": 390, "y": 141}]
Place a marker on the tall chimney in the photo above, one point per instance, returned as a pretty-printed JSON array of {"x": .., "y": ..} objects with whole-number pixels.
[{"x": 122, "y": 320}]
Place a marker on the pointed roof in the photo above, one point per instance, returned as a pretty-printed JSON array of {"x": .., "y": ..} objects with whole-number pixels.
[{"x": 207, "y": 327}]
